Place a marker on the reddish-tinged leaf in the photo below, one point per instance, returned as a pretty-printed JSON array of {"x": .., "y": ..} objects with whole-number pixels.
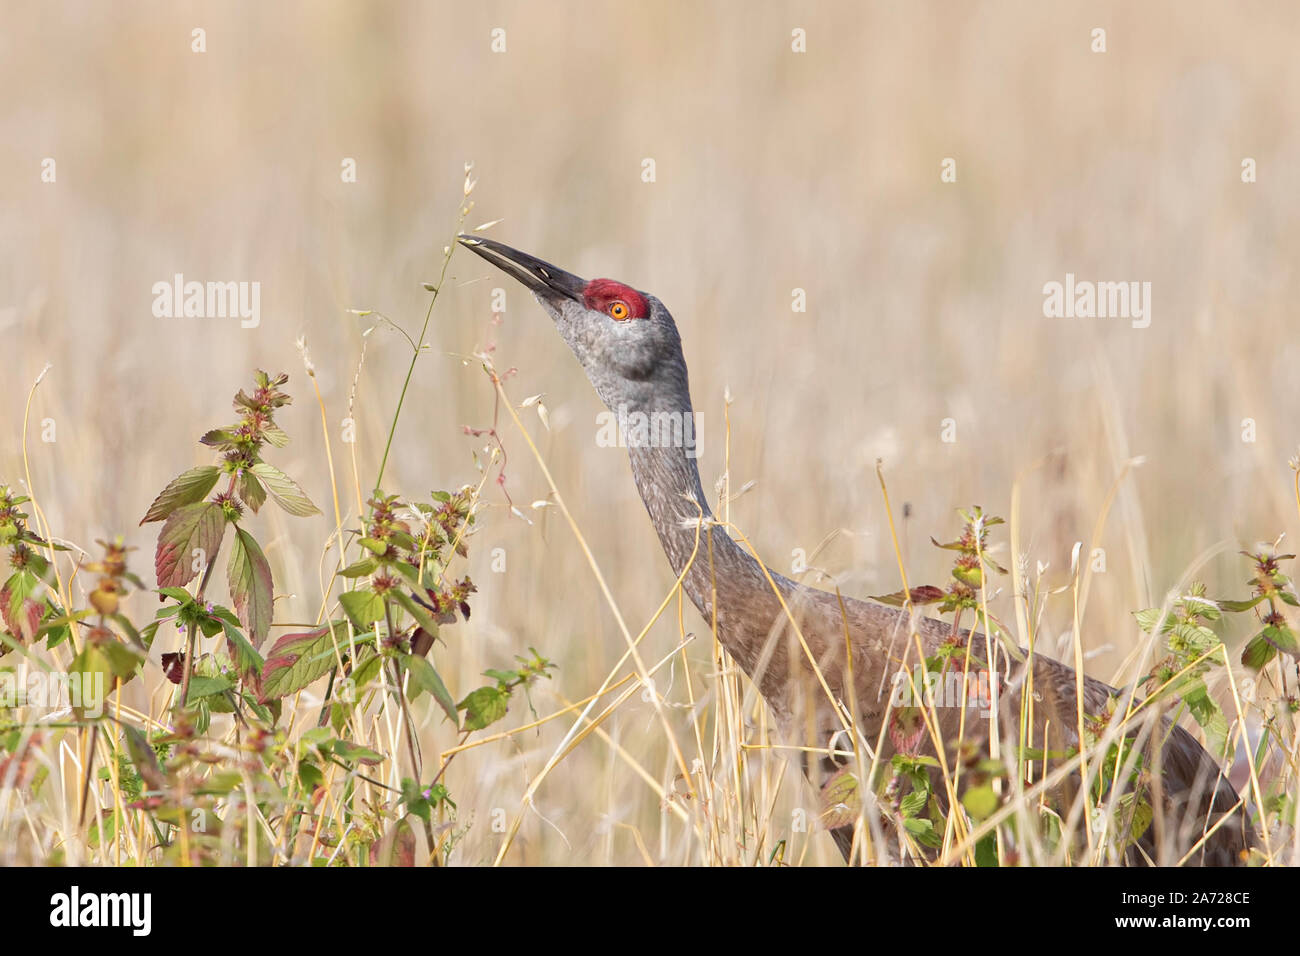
[
  {"x": 397, "y": 848},
  {"x": 190, "y": 527},
  {"x": 905, "y": 729},
  {"x": 841, "y": 800},
  {"x": 1257, "y": 652},
  {"x": 285, "y": 490},
  {"x": 1283, "y": 638},
  {"x": 251, "y": 592},
  {"x": 219, "y": 437},
  {"x": 275, "y": 435},
  {"x": 185, "y": 489},
  {"x": 925, "y": 594},
  {"x": 7, "y": 610},
  {"x": 295, "y": 660},
  {"x": 173, "y": 665},
  {"x": 29, "y": 620},
  {"x": 251, "y": 491},
  {"x": 16, "y": 606}
]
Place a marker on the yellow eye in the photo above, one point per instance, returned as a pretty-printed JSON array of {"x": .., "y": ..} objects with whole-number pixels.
[{"x": 618, "y": 310}]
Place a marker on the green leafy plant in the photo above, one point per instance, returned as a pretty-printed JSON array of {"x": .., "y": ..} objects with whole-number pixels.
[{"x": 195, "y": 526}]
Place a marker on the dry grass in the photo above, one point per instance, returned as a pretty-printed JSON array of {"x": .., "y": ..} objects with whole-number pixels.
[{"x": 775, "y": 171}]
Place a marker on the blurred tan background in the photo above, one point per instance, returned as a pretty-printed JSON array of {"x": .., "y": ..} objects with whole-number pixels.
[{"x": 775, "y": 170}]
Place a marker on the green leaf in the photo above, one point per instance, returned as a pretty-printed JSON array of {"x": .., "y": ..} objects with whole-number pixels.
[
  {"x": 425, "y": 679},
  {"x": 1283, "y": 638},
  {"x": 912, "y": 804},
  {"x": 360, "y": 568},
  {"x": 1257, "y": 652},
  {"x": 1208, "y": 714},
  {"x": 222, "y": 438},
  {"x": 414, "y": 798},
  {"x": 840, "y": 800},
  {"x": 275, "y": 435},
  {"x": 189, "y": 527},
  {"x": 923, "y": 831},
  {"x": 207, "y": 686},
  {"x": 123, "y": 659},
  {"x": 362, "y": 607},
  {"x": 1240, "y": 605},
  {"x": 309, "y": 775},
  {"x": 1148, "y": 619},
  {"x": 250, "y": 491},
  {"x": 185, "y": 489},
  {"x": 285, "y": 490},
  {"x": 347, "y": 750},
  {"x": 20, "y": 612},
  {"x": 247, "y": 659},
  {"x": 367, "y": 670},
  {"x": 251, "y": 592},
  {"x": 296, "y": 660},
  {"x": 422, "y": 617},
  {"x": 95, "y": 677},
  {"x": 144, "y": 758},
  {"x": 484, "y": 707},
  {"x": 980, "y": 801}
]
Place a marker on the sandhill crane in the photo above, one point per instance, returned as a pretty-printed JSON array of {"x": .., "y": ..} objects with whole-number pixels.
[{"x": 791, "y": 639}]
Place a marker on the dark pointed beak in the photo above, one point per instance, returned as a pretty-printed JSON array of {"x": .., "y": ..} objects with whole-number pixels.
[{"x": 541, "y": 277}]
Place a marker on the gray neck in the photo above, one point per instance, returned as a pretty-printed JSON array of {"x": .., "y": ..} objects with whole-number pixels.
[{"x": 669, "y": 483}]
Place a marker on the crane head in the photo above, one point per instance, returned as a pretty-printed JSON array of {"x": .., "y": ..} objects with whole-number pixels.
[{"x": 625, "y": 339}]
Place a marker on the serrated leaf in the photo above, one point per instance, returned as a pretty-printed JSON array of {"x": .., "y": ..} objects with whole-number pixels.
[
  {"x": 251, "y": 587},
  {"x": 841, "y": 800},
  {"x": 1281, "y": 637},
  {"x": 912, "y": 804},
  {"x": 296, "y": 660},
  {"x": 223, "y": 438},
  {"x": 906, "y": 727},
  {"x": 186, "y": 488},
  {"x": 189, "y": 527},
  {"x": 363, "y": 608},
  {"x": 15, "y": 601},
  {"x": 1149, "y": 618},
  {"x": 1257, "y": 652},
  {"x": 484, "y": 707},
  {"x": 286, "y": 492},
  {"x": 1208, "y": 714},
  {"x": 922, "y": 831},
  {"x": 425, "y": 679},
  {"x": 275, "y": 435},
  {"x": 925, "y": 594},
  {"x": 250, "y": 491},
  {"x": 360, "y": 569},
  {"x": 247, "y": 659}
]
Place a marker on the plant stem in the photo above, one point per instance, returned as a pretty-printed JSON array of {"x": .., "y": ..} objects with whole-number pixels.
[
  {"x": 190, "y": 639},
  {"x": 446, "y": 261}
]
